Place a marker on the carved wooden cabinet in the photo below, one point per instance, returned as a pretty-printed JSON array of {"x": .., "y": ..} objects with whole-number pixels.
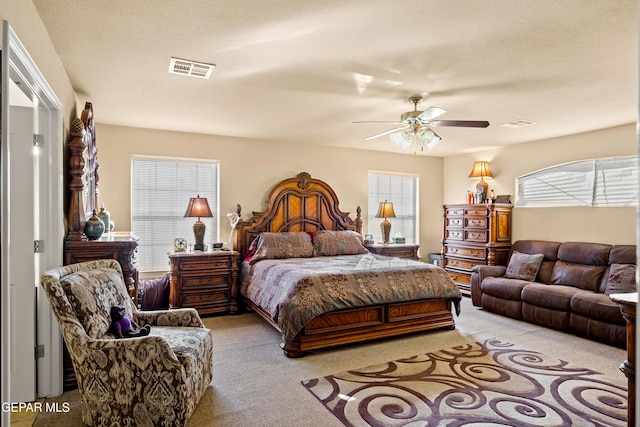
[
  {"x": 474, "y": 235},
  {"x": 205, "y": 281},
  {"x": 394, "y": 250}
]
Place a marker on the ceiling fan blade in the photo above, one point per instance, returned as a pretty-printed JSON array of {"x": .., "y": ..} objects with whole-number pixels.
[
  {"x": 461, "y": 123},
  {"x": 431, "y": 113},
  {"x": 378, "y": 121},
  {"x": 386, "y": 132}
]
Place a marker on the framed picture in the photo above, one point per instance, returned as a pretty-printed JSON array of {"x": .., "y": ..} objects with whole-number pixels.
[{"x": 503, "y": 198}]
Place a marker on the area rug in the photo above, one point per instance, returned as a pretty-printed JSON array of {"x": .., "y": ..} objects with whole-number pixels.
[{"x": 483, "y": 383}]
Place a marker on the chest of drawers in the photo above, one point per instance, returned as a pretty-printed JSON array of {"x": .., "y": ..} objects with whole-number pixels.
[{"x": 474, "y": 235}]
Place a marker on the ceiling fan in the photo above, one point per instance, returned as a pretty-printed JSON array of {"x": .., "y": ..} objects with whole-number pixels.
[{"x": 415, "y": 126}]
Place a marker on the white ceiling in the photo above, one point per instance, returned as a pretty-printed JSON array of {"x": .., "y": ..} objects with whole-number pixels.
[{"x": 302, "y": 71}]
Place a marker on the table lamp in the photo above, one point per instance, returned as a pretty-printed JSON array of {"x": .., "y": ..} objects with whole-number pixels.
[
  {"x": 385, "y": 210},
  {"x": 481, "y": 170},
  {"x": 198, "y": 208}
]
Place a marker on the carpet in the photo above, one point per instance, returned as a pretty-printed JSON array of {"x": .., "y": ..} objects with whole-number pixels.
[{"x": 483, "y": 383}]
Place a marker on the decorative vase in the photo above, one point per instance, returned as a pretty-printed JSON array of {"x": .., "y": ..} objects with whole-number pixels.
[
  {"x": 94, "y": 227},
  {"x": 105, "y": 217}
]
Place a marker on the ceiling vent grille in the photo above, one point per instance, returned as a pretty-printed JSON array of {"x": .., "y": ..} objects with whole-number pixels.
[{"x": 190, "y": 68}]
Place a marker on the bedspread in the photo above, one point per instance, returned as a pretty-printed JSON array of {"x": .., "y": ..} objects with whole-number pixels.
[{"x": 295, "y": 290}]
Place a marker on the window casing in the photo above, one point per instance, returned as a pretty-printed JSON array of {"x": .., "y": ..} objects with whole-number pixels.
[
  {"x": 611, "y": 181},
  {"x": 402, "y": 191},
  {"x": 160, "y": 192}
]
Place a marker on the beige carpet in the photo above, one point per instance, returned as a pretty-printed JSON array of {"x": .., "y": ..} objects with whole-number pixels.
[
  {"x": 482, "y": 383},
  {"x": 255, "y": 385}
]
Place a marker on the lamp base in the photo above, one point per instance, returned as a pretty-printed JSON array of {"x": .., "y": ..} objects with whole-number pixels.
[
  {"x": 198, "y": 231},
  {"x": 385, "y": 227},
  {"x": 481, "y": 190}
]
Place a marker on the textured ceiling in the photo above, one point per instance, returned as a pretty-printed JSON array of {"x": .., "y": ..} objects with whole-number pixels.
[{"x": 303, "y": 71}]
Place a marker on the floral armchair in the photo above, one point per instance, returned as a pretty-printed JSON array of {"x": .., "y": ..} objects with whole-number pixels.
[{"x": 153, "y": 380}]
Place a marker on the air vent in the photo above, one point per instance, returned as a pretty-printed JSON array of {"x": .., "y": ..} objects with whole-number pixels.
[
  {"x": 190, "y": 68},
  {"x": 517, "y": 124}
]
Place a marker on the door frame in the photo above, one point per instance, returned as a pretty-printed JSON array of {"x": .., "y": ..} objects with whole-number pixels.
[{"x": 18, "y": 66}]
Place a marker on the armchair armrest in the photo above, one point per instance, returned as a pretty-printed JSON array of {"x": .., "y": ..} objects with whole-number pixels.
[
  {"x": 187, "y": 317},
  {"x": 478, "y": 274}
]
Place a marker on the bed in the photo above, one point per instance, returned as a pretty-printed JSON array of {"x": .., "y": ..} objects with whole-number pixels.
[{"x": 286, "y": 282}]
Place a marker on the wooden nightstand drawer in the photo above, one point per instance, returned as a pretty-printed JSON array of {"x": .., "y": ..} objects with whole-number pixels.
[
  {"x": 195, "y": 299},
  {"x": 208, "y": 281},
  {"x": 204, "y": 264}
]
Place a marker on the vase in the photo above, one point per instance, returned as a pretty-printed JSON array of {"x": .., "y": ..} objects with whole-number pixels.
[{"x": 94, "y": 227}]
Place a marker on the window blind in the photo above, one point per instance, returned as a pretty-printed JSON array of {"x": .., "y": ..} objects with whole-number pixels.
[
  {"x": 598, "y": 182},
  {"x": 160, "y": 192},
  {"x": 402, "y": 191}
]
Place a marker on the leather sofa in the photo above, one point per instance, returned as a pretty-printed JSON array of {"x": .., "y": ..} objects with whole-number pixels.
[{"x": 570, "y": 289}]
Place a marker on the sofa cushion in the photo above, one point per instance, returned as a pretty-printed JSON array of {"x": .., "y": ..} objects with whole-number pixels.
[
  {"x": 577, "y": 275},
  {"x": 503, "y": 288},
  {"x": 551, "y": 297},
  {"x": 523, "y": 266},
  {"x": 596, "y": 306},
  {"x": 622, "y": 254},
  {"x": 622, "y": 279},
  {"x": 584, "y": 253}
]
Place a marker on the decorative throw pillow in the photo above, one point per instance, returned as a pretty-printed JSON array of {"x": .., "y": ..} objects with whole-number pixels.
[
  {"x": 296, "y": 244},
  {"x": 622, "y": 279},
  {"x": 523, "y": 266},
  {"x": 333, "y": 243}
]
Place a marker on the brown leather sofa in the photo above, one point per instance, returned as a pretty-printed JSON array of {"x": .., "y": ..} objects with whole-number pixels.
[{"x": 568, "y": 292}]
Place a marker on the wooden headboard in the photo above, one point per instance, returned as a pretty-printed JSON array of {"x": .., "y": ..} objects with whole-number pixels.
[{"x": 300, "y": 203}]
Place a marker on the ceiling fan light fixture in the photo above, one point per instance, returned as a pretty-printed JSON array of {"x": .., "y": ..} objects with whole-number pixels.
[{"x": 401, "y": 140}]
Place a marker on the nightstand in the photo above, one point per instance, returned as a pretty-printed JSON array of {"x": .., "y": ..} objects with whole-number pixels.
[
  {"x": 399, "y": 250},
  {"x": 205, "y": 281}
]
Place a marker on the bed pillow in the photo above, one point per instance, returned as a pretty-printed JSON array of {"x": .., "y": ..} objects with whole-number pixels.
[
  {"x": 622, "y": 279},
  {"x": 333, "y": 243},
  {"x": 523, "y": 266},
  {"x": 295, "y": 244}
]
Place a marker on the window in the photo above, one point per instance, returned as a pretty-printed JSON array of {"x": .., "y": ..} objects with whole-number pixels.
[
  {"x": 160, "y": 192},
  {"x": 402, "y": 191},
  {"x": 599, "y": 182}
]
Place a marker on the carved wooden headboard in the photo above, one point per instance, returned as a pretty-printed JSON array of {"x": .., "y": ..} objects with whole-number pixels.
[
  {"x": 83, "y": 169},
  {"x": 300, "y": 203}
]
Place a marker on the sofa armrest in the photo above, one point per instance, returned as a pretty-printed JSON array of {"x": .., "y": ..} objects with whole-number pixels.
[
  {"x": 187, "y": 317},
  {"x": 478, "y": 274}
]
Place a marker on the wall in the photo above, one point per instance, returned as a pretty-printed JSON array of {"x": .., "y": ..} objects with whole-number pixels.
[
  {"x": 249, "y": 169},
  {"x": 606, "y": 225}
]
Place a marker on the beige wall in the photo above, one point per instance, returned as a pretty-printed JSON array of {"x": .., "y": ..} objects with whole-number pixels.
[
  {"x": 25, "y": 21},
  {"x": 605, "y": 225},
  {"x": 249, "y": 168}
]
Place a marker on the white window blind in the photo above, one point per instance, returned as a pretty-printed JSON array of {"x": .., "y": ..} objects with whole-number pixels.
[
  {"x": 402, "y": 191},
  {"x": 599, "y": 182},
  {"x": 160, "y": 192}
]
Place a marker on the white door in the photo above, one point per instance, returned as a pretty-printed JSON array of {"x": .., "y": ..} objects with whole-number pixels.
[{"x": 22, "y": 279}]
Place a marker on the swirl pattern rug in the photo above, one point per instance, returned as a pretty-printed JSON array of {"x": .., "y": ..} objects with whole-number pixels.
[{"x": 483, "y": 383}]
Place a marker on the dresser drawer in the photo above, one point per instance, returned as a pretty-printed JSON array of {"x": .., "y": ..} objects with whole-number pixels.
[
  {"x": 475, "y": 222},
  {"x": 455, "y": 222},
  {"x": 459, "y": 277},
  {"x": 476, "y": 211},
  {"x": 462, "y": 263},
  {"x": 454, "y": 211},
  {"x": 480, "y": 236},
  {"x": 454, "y": 234},
  {"x": 204, "y": 281},
  {"x": 465, "y": 252}
]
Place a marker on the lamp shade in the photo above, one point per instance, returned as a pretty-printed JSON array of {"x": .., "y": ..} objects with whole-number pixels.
[
  {"x": 198, "y": 208},
  {"x": 385, "y": 210},
  {"x": 480, "y": 170}
]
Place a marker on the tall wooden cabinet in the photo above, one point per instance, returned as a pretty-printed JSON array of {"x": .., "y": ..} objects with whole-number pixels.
[{"x": 474, "y": 235}]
